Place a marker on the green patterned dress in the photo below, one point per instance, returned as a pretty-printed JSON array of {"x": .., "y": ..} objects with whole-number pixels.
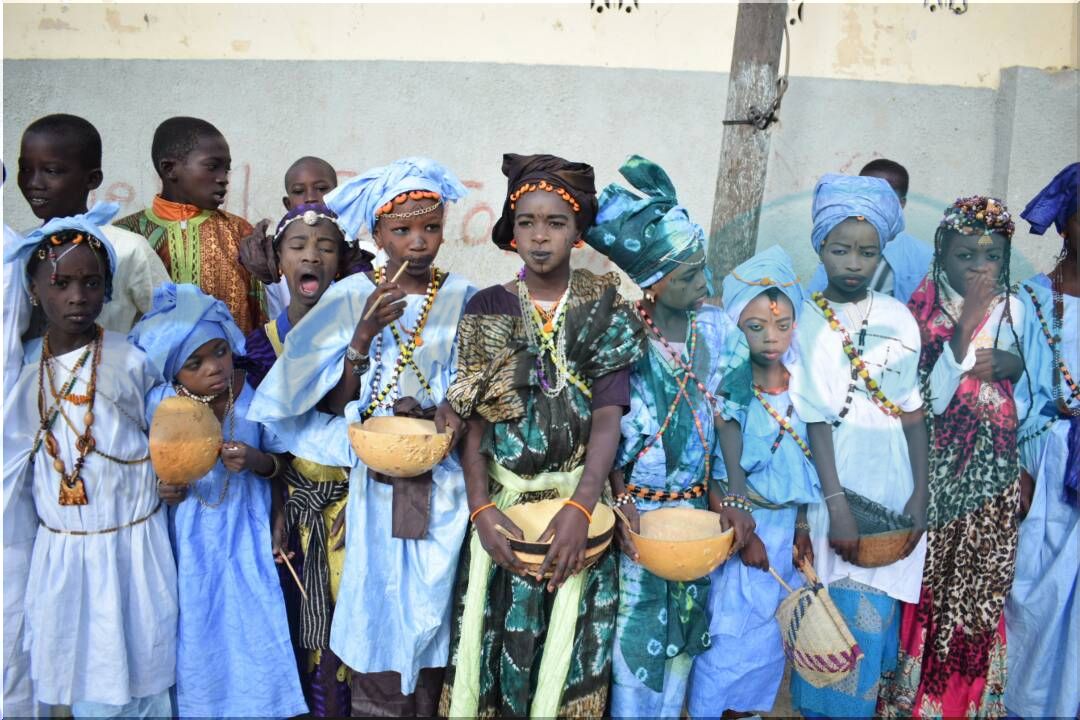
[{"x": 510, "y": 654}]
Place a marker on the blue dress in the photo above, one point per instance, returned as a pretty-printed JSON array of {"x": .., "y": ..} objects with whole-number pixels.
[
  {"x": 234, "y": 657},
  {"x": 743, "y": 667}
]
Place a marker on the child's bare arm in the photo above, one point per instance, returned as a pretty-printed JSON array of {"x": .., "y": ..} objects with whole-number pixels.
[
  {"x": 843, "y": 533},
  {"x": 918, "y": 442}
]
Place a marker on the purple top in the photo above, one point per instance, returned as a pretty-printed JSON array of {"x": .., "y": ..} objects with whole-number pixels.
[{"x": 260, "y": 355}]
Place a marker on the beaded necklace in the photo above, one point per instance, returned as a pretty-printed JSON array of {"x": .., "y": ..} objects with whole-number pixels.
[
  {"x": 382, "y": 393},
  {"x": 1053, "y": 338},
  {"x": 72, "y": 487},
  {"x": 549, "y": 339},
  {"x": 230, "y": 418},
  {"x": 687, "y": 374},
  {"x": 686, "y": 368},
  {"x": 858, "y": 365},
  {"x": 785, "y": 424}
]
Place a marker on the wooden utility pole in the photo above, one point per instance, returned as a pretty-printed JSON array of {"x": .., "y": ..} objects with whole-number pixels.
[{"x": 753, "y": 96}]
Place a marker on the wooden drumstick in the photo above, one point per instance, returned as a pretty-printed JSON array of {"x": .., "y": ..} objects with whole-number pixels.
[
  {"x": 292, "y": 572},
  {"x": 378, "y": 300}
]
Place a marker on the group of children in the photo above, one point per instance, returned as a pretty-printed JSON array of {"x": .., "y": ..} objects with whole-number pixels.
[{"x": 945, "y": 400}]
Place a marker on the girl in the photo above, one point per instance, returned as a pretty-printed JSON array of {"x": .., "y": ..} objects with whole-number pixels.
[
  {"x": 310, "y": 249},
  {"x": 1042, "y": 614},
  {"x": 952, "y": 654},
  {"x": 100, "y": 621},
  {"x": 391, "y": 622},
  {"x": 855, "y": 384},
  {"x": 667, "y": 456},
  {"x": 233, "y": 657},
  {"x": 543, "y": 380},
  {"x": 742, "y": 669}
]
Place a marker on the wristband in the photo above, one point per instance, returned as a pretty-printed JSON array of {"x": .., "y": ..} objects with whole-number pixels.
[
  {"x": 579, "y": 506},
  {"x": 275, "y": 471},
  {"x": 477, "y": 511}
]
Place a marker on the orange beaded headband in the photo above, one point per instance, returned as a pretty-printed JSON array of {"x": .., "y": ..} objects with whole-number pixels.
[
  {"x": 547, "y": 187},
  {"x": 401, "y": 199}
]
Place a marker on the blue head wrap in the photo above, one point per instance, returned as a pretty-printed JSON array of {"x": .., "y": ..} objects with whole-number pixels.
[
  {"x": 183, "y": 318},
  {"x": 647, "y": 237},
  {"x": 89, "y": 223},
  {"x": 357, "y": 200},
  {"x": 770, "y": 268},
  {"x": 839, "y": 197},
  {"x": 1056, "y": 202}
]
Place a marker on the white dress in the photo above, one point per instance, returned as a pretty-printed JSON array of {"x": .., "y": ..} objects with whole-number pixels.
[
  {"x": 870, "y": 446},
  {"x": 100, "y": 620}
]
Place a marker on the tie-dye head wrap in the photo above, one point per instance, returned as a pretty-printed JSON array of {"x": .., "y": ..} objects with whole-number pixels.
[{"x": 647, "y": 237}]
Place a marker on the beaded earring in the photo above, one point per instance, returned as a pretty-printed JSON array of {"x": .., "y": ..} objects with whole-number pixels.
[{"x": 513, "y": 244}]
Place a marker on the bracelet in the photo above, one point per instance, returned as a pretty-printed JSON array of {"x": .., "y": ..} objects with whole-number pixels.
[
  {"x": 802, "y": 526},
  {"x": 579, "y": 506},
  {"x": 739, "y": 502},
  {"x": 277, "y": 468},
  {"x": 477, "y": 511},
  {"x": 360, "y": 362},
  {"x": 624, "y": 499},
  {"x": 827, "y": 498}
]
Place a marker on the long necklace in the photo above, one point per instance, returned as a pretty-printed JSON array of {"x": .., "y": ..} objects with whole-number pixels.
[
  {"x": 651, "y": 324},
  {"x": 72, "y": 487},
  {"x": 1053, "y": 338},
  {"x": 687, "y": 374},
  {"x": 230, "y": 419},
  {"x": 383, "y": 393},
  {"x": 549, "y": 339},
  {"x": 784, "y": 422},
  {"x": 858, "y": 365}
]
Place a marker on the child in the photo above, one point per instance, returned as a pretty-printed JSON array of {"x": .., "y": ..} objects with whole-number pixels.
[
  {"x": 310, "y": 248},
  {"x": 952, "y": 643},
  {"x": 233, "y": 657},
  {"x": 306, "y": 181},
  {"x": 198, "y": 243},
  {"x": 59, "y": 165},
  {"x": 666, "y": 457},
  {"x": 905, "y": 259},
  {"x": 391, "y": 622},
  {"x": 1042, "y": 613},
  {"x": 543, "y": 379},
  {"x": 742, "y": 669},
  {"x": 855, "y": 384},
  {"x": 100, "y": 624}
]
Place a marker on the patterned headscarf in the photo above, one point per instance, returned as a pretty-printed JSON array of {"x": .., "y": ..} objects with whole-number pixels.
[
  {"x": 1056, "y": 202},
  {"x": 575, "y": 180},
  {"x": 89, "y": 223},
  {"x": 770, "y": 268},
  {"x": 358, "y": 200},
  {"x": 839, "y": 197},
  {"x": 182, "y": 319},
  {"x": 310, "y": 214},
  {"x": 647, "y": 237},
  {"x": 978, "y": 215}
]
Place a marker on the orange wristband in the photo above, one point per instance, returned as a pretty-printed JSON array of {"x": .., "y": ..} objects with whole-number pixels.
[
  {"x": 477, "y": 511},
  {"x": 579, "y": 506}
]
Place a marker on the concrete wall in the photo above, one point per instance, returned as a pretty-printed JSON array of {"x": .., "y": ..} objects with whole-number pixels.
[
  {"x": 358, "y": 114},
  {"x": 465, "y": 83}
]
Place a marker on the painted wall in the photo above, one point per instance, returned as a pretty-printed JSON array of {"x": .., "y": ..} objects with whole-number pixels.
[{"x": 1006, "y": 133}]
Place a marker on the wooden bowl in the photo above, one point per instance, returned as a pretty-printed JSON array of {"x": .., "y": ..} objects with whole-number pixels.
[
  {"x": 682, "y": 543},
  {"x": 400, "y": 447},
  {"x": 533, "y": 519},
  {"x": 185, "y": 440}
]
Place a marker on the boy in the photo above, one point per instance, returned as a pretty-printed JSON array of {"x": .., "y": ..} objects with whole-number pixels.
[
  {"x": 198, "y": 243},
  {"x": 906, "y": 259},
  {"x": 307, "y": 181},
  {"x": 59, "y": 164}
]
